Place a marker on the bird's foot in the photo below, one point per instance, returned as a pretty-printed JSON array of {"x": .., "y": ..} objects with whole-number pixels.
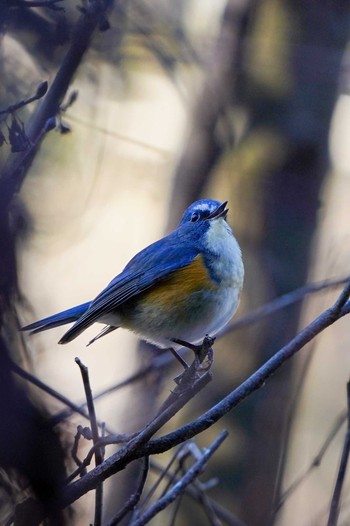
[{"x": 203, "y": 357}]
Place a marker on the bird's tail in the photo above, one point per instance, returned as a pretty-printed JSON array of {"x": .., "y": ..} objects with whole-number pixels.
[{"x": 56, "y": 320}]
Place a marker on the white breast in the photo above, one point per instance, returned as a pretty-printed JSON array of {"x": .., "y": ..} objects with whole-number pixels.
[{"x": 227, "y": 263}]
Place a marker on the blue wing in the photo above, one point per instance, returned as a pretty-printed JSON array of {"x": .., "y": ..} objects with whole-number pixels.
[{"x": 151, "y": 265}]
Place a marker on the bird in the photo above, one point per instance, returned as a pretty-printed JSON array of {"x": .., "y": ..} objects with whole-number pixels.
[{"x": 175, "y": 291}]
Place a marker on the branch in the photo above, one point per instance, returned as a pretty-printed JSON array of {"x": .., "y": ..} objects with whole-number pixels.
[
  {"x": 129, "y": 451},
  {"x": 183, "y": 482},
  {"x": 134, "y": 499},
  {"x": 253, "y": 383},
  {"x": 14, "y": 173},
  {"x": 40, "y": 92},
  {"x": 314, "y": 464},
  {"x": 195, "y": 493},
  {"x": 95, "y": 437},
  {"x": 158, "y": 363},
  {"x": 138, "y": 446},
  {"x": 162, "y": 360},
  {"x": 282, "y": 302}
]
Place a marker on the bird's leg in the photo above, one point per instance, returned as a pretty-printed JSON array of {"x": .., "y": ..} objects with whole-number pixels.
[
  {"x": 178, "y": 357},
  {"x": 200, "y": 351}
]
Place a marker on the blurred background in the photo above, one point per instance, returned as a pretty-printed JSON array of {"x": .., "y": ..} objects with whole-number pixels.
[{"x": 234, "y": 100}]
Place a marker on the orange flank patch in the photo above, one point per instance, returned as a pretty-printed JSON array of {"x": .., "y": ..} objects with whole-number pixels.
[{"x": 180, "y": 284}]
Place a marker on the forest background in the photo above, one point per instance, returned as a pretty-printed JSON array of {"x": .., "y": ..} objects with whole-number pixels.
[{"x": 114, "y": 117}]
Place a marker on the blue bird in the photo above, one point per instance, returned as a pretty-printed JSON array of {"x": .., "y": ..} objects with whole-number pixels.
[{"x": 180, "y": 288}]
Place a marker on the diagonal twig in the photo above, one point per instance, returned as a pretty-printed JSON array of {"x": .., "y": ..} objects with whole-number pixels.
[
  {"x": 134, "y": 499},
  {"x": 314, "y": 464},
  {"x": 282, "y": 302},
  {"x": 182, "y": 483},
  {"x": 40, "y": 92},
  {"x": 95, "y": 437}
]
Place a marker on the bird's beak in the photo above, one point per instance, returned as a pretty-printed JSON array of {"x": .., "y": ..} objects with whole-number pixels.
[{"x": 221, "y": 211}]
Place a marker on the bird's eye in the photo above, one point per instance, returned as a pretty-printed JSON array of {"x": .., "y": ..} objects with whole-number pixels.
[{"x": 195, "y": 216}]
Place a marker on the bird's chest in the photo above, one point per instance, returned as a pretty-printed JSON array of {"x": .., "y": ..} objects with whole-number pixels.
[{"x": 223, "y": 257}]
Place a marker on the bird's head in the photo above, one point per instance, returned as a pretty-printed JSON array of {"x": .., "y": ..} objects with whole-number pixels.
[{"x": 204, "y": 210}]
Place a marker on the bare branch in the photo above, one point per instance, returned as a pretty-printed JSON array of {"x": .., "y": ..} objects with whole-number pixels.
[
  {"x": 40, "y": 92},
  {"x": 194, "y": 491},
  {"x": 49, "y": 390},
  {"x": 314, "y": 464},
  {"x": 134, "y": 499},
  {"x": 139, "y": 447},
  {"x": 95, "y": 438},
  {"x": 254, "y": 382},
  {"x": 14, "y": 172},
  {"x": 180, "y": 486},
  {"x": 282, "y": 302}
]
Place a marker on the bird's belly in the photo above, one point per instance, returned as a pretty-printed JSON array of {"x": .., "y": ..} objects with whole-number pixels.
[{"x": 188, "y": 317}]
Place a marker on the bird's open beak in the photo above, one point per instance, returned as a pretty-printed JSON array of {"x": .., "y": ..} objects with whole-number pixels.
[{"x": 221, "y": 211}]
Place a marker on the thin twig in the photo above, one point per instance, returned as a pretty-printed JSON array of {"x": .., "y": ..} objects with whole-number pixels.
[
  {"x": 49, "y": 390},
  {"x": 282, "y": 302},
  {"x": 195, "y": 493},
  {"x": 95, "y": 438},
  {"x": 157, "y": 363},
  {"x": 180, "y": 486},
  {"x": 131, "y": 449},
  {"x": 343, "y": 298},
  {"x": 40, "y": 92},
  {"x": 134, "y": 499},
  {"x": 335, "y": 503},
  {"x": 314, "y": 464},
  {"x": 81, "y": 432},
  {"x": 165, "y": 473},
  {"x": 207, "y": 505}
]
